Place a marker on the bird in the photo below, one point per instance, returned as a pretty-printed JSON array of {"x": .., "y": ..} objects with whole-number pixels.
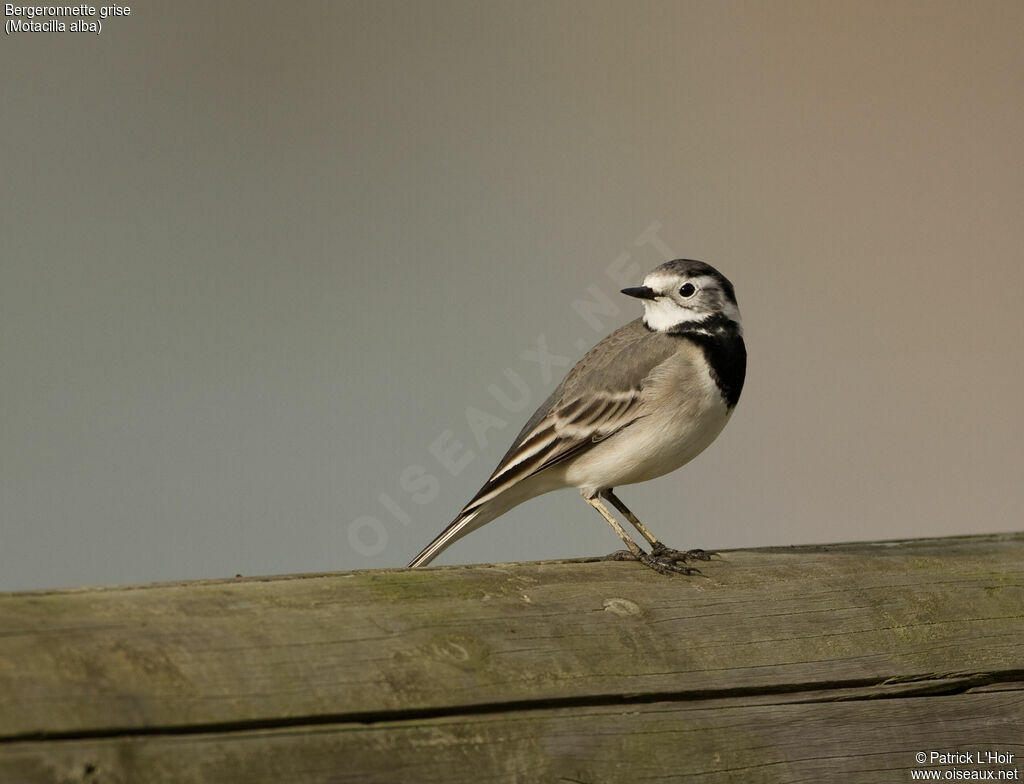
[{"x": 644, "y": 401}]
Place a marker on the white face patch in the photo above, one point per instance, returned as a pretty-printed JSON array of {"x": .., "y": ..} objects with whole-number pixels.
[
  {"x": 662, "y": 314},
  {"x": 671, "y": 309},
  {"x": 662, "y": 281}
]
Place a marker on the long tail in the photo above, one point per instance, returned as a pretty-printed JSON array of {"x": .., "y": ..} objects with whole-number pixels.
[
  {"x": 488, "y": 504},
  {"x": 458, "y": 528}
]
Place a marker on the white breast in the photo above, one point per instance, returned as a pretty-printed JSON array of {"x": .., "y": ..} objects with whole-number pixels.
[{"x": 683, "y": 413}]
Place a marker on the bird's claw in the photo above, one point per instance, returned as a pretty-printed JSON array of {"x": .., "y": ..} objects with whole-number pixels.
[
  {"x": 667, "y": 565},
  {"x": 663, "y": 560},
  {"x": 619, "y": 555},
  {"x": 658, "y": 550}
]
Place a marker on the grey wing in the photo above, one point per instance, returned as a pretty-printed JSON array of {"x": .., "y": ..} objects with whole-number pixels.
[{"x": 599, "y": 397}]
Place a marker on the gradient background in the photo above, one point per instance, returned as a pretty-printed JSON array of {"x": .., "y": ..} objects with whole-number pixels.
[{"x": 257, "y": 258}]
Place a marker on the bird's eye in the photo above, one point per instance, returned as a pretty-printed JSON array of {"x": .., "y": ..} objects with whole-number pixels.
[{"x": 688, "y": 290}]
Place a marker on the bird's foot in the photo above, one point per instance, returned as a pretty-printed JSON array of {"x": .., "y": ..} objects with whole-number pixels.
[
  {"x": 658, "y": 550},
  {"x": 667, "y": 564},
  {"x": 619, "y": 555},
  {"x": 663, "y": 560}
]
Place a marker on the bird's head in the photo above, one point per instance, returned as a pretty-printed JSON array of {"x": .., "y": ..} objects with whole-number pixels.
[{"x": 685, "y": 292}]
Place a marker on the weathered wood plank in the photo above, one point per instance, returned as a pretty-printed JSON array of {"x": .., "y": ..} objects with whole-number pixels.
[
  {"x": 388, "y": 644},
  {"x": 861, "y": 742}
]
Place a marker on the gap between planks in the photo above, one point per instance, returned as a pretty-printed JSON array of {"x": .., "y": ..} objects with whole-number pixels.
[{"x": 925, "y": 685}]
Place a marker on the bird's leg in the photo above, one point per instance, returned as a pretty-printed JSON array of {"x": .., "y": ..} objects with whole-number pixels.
[
  {"x": 633, "y": 519},
  {"x": 634, "y": 548},
  {"x": 659, "y": 564},
  {"x": 658, "y": 549}
]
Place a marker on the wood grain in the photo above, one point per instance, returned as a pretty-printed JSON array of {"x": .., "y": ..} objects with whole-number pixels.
[
  {"x": 784, "y": 664},
  {"x": 868, "y": 742}
]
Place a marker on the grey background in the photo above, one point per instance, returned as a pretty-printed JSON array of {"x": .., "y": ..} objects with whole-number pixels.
[{"x": 257, "y": 258}]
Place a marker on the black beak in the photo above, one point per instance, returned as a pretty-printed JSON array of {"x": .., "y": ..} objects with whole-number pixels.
[{"x": 640, "y": 292}]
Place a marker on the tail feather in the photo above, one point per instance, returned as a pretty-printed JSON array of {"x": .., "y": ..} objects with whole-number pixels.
[
  {"x": 458, "y": 528},
  {"x": 486, "y": 506}
]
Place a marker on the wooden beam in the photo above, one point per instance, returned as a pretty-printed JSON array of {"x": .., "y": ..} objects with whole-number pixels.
[{"x": 838, "y": 662}]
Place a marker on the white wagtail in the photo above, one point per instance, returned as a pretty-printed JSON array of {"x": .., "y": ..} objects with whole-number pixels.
[{"x": 644, "y": 401}]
